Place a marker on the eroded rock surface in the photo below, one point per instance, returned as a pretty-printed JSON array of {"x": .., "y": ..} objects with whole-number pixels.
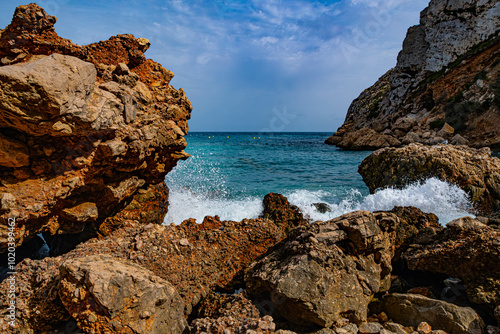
[
  {"x": 412, "y": 310},
  {"x": 444, "y": 88},
  {"x": 85, "y": 131},
  {"x": 467, "y": 250},
  {"x": 473, "y": 170},
  {"x": 104, "y": 294},
  {"x": 194, "y": 258},
  {"x": 326, "y": 270}
]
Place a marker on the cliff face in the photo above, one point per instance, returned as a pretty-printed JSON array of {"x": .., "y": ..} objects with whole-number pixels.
[
  {"x": 87, "y": 133},
  {"x": 445, "y": 86}
]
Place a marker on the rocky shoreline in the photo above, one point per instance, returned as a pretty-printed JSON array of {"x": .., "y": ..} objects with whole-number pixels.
[
  {"x": 443, "y": 89},
  {"x": 87, "y": 135}
]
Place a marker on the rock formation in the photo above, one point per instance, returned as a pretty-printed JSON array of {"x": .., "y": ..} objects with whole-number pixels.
[
  {"x": 473, "y": 170},
  {"x": 412, "y": 310},
  {"x": 349, "y": 256},
  {"x": 87, "y": 133},
  {"x": 445, "y": 86}
]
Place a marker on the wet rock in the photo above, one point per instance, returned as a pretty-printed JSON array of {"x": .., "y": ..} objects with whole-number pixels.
[
  {"x": 84, "y": 124},
  {"x": 322, "y": 207},
  {"x": 319, "y": 282},
  {"x": 278, "y": 209},
  {"x": 475, "y": 171},
  {"x": 412, "y": 310},
  {"x": 106, "y": 294}
]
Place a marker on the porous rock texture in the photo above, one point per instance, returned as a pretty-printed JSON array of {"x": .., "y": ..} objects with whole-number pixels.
[
  {"x": 412, "y": 310},
  {"x": 87, "y": 133},
  {"x": 194, "y": 258},
  {"x": 468, "y": 250},
  {"x": 473, "y": 170},
  {"x": 445, "y": 86},
  {"x": 104, "y": 295},
  {"x": 326, "y": 270}
]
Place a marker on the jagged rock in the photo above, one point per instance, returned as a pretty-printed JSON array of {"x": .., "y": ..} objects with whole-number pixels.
[
  {"x": 446, "y": 73},
  {"x": 213, "y": 258},
  {"x": 475, "y": 171},
  {"x": 497, "y": 314},
  {"x": 325, "y": 270},
  {"x": 104, "y": 294},
  {"x": 470, "y": 254},
  {"x": 370, "y": 328},
  {"x": 278, "y": 209},
  {"x": 83, "y": 124},
  {"x": 412, "y": 310},
  {"x": 236, "y": 314}
]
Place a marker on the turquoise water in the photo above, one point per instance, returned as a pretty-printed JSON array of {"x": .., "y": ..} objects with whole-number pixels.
[{"x": 228, "y": 174}]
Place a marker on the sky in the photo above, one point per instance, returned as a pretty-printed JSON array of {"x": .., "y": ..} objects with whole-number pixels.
[{"x": 253, "y": 65}]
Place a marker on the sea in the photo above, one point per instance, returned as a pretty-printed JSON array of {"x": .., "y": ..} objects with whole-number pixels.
[{"x": 228, "y": 175}]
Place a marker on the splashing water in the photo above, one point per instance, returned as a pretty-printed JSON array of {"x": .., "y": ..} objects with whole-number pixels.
[{"x": 229, "y": 177}]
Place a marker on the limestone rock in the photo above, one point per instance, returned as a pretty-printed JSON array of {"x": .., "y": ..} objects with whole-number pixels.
[
  {"x": 475, "y": 171},
  {"x": 412, "y": 310},
  {"x": 106, "y": 294},
  {"x": 446, "y": 73},
  {"x": 466, "y": 253},
  {"x": 213, "y": 259},
  {"x": 83, "y": 124},
  {"x": 314, "y": 277}
]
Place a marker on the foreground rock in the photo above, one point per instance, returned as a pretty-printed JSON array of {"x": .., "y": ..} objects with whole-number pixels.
[
  {"x": 325, "y": 270},
  {"x": 412, "y": 310},
  {"x": 219, "y": 313},
  {"x": 445, "y": 86},
  {"x": 88, "y": 133},
  {"x": 468, "y": 250},
  {"x": 104, "y": 294},
  {"x": 473, "y": 170},
  {"x": 194, "y": 258}
]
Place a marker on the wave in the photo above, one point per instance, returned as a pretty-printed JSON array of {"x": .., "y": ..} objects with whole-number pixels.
[{"x": 447, "y": 201}]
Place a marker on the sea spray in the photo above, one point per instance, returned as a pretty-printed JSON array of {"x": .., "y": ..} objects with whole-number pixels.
[
  {"x": 447, "y": 201},
  {"x": 229, "y": 177}
]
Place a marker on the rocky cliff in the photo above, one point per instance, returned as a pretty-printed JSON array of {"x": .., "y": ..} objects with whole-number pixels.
[
  {"x": 87, "y": 133},
  {"x": 445, "y": 86}
]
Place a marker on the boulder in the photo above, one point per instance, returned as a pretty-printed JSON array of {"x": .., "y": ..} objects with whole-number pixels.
[
  {"x": 412, "y": 310},
  {"x": 325, "y": 271},
  {"x": 468, "y": 253},
  {"x": 194, "y": 258},
  {"x": 473, "y": 170},
  {"x": 278, "y": 209},
  {"x": 105, "y": 294},
  {"x": 94, "y": 128}
]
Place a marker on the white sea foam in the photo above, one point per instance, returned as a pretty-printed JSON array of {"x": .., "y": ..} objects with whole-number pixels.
[
  {"x": 184, "y": 204},
  {"x": 447, "y": 201}
]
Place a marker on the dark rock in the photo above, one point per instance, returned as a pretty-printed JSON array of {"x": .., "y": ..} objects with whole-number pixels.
[
  {"x": 322, "y": 207},
  {"x": 278, "y": 209},
  {"x": 468, "y": 254}
]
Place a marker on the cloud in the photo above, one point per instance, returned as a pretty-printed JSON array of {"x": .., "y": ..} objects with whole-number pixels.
[{"x": 236, "y": 58}]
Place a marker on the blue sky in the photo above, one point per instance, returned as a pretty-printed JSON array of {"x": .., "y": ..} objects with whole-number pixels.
[{"x": 253, "y": 65}]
